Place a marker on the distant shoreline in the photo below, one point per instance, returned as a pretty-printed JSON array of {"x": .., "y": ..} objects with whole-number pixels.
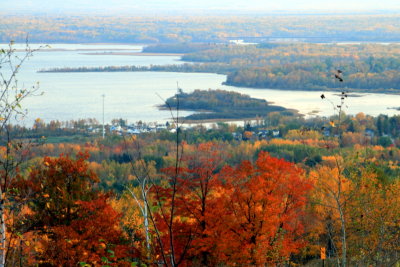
[
  {"x": 131, "y": 54},
  {"x": 78, "y": 49},
  {"x": 213, "y": 120}
]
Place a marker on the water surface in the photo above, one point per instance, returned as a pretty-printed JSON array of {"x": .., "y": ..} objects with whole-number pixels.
[{"x": 135, "y": 95}]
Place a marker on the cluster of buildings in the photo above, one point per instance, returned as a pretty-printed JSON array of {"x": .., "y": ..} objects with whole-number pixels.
[{"x": 139, "y": 128}]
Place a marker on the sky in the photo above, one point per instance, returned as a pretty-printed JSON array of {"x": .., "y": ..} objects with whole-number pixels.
[{"x": 106, "y": 6}]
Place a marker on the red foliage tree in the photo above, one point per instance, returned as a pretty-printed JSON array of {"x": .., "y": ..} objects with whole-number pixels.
[
  {"x": 185, "y": 206},
  {"x": 198, "y": 197},
  {"x": 260, "y": 212},
  {"x": 248, "y": 215},
  {"x": 93, "y": 237}
]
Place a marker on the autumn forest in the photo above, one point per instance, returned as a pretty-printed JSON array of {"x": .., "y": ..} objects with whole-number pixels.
[
  {"x": 272, "y": 188},
  {"x": 205, "y": 197}
]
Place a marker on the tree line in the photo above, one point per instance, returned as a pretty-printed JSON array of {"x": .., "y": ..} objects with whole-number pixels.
[{"x": 75, "y": 28}]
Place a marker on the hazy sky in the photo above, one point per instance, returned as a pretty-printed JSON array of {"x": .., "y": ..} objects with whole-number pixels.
[{"x": 135, "y": 5}]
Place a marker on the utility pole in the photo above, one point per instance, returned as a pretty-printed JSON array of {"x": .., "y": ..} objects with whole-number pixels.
[{"x": 104, "y": 131}]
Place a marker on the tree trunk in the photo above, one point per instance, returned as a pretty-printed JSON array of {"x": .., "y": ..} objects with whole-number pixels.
[
  {"x": 344, "y": 246},
  {"x": 146, "y": 229},
  {"x": 2, "y": 232}
]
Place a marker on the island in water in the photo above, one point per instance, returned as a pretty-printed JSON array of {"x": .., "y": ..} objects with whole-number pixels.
[{"x": 219, "y": 105}]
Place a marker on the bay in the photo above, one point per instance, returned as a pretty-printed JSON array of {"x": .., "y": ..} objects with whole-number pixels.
[{"x": 136, "y": 95}]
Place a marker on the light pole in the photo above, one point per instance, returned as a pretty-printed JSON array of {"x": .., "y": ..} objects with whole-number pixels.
[{"x": 104, "y": 131}]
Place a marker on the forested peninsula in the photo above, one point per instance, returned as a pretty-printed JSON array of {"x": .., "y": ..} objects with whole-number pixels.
[{"x": 364, "y": 67}]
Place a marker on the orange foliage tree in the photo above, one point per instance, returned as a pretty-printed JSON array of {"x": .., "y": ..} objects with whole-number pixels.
[
  {"x": 69, "y": 221},
  {"x": 374, "y": 221}
]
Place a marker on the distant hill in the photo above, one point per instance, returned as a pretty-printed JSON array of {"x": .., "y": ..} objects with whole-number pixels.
[
  {"x": 207, "y": 28},
  {"x": 135, "y": 7}
]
